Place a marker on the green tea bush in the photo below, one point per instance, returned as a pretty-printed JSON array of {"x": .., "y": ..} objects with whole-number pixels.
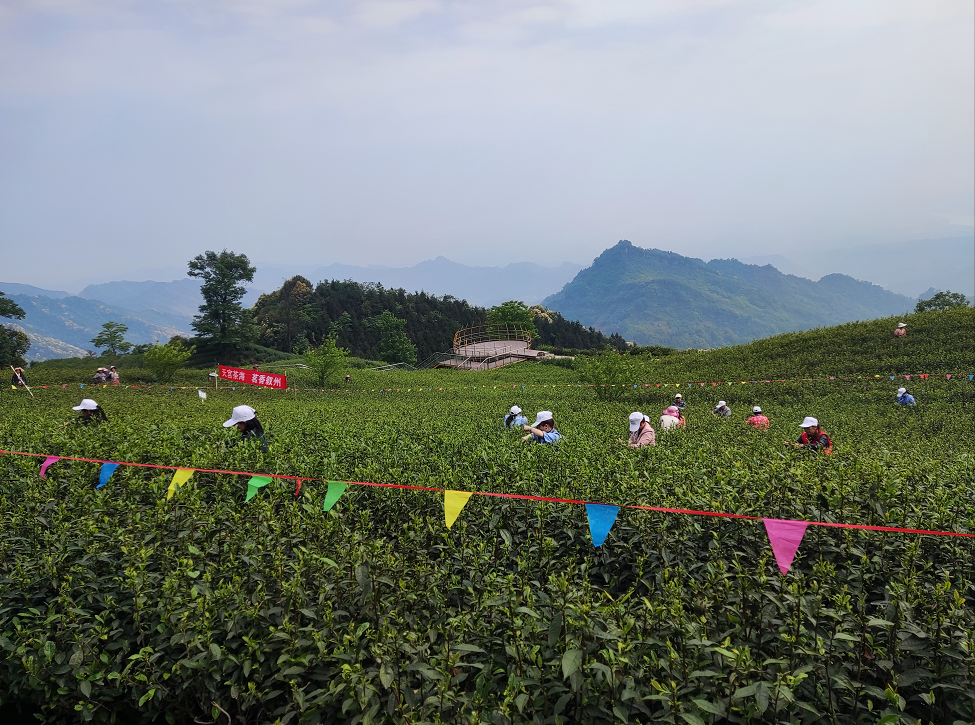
[{"x": 120, "y": 605}]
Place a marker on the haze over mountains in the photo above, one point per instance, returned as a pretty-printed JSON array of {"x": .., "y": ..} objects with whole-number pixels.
[
  {"x": 648, "y": 296},
  {"x": 662, "y": 298}
]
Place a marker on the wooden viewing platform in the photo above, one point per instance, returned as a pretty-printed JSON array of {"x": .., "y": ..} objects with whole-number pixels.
[{"x": 485, "y": 347}]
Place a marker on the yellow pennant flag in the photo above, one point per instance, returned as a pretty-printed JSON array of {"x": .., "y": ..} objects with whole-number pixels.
[
  {"x": 181, "y": 476},
  {"x": 453, "y": 504}
]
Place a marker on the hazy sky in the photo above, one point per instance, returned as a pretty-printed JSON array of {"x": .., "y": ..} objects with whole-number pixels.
[{"x": 138, "y": 134}]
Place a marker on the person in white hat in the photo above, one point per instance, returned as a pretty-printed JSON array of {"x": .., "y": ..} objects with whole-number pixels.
[
  {"x": 679, "y": 402},
  {"x": 101, "y": 376},
  {"x": 901, "y": 330},
  {"x": 904, "y": 397},
  {"x": 113, "y": 375},
  {"x": 641, "y": 433},
  {"x": 722, "y": 409},
  {"x": 544, "y": 429},
  {"x": 245, "y": 419},
  {"x": 758, "y": 420},
  {"x": 91, "y": 412},
  {"x": 515, "y": 418},
  {"x": 813, "y": 437}
]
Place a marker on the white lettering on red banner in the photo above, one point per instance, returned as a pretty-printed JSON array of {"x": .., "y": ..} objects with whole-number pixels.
[{"x": 253, "y": 377}]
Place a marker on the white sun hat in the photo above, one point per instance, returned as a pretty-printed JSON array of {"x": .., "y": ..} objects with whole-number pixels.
[
  {"x": 678, "y": 395},
  {"x": 901, "y": 391},
  {"x": 901, "y": 324},
  {"x": 808, "y": 422},
  {"x": 756, "y": 409},
  {"x": 241, "y": 414},
  {"x": 515, "y": 409},
  {"x": 721, "y": 403},
  {"x": 635, "y": 420},
  {"x": 542, "y": 417},
  {"x": 86, "y": 404}
]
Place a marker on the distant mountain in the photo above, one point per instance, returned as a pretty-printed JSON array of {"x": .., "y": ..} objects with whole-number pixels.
[
  {"x": 60, "y": 327},
  {"x": 653, "y": 297},
  {"x": 904, "y": 267},
  {"x": 181, "y": 297},
  {"x": 15, "y": 288}
]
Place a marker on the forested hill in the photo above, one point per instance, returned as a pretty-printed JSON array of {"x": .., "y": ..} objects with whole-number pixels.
[
  {"x": 662, "y": 298},
  {"x": 301, "y": 314}
]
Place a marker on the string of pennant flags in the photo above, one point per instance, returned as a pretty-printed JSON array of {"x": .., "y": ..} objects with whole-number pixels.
[
  {"x": 785, "y": 535},
  {"x": 519, "y": 386}
]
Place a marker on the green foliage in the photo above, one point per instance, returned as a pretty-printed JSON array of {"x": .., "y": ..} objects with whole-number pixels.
[
  {"x": 112, "y": 337},
  {"x": 395, "y": 346},
  {"x": 663, "y": 298},
  {"x": 942, "y": 301},
  {"x": 513, "y": 314},
  {"x": 613, "y": 374},
  {"x": 165, "y": 360},
  {"x": 120, "y": 605},
  {"x": 14, "y": 344},
  {"x": 222, "y": 320},
  {"x": 283, "y": 316},
  {"x": 327, "y": 361},
  {"x": 9, "y": 308}
]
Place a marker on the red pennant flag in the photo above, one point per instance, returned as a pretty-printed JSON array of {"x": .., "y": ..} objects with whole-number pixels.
[{"x": 785, "y": 537}]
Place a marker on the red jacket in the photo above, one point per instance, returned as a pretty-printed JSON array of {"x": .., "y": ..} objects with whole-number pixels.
[{"x": 818, "y": 440}]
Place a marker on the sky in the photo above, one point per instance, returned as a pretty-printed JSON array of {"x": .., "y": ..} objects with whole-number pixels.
[{"x": 136, "y": 135}]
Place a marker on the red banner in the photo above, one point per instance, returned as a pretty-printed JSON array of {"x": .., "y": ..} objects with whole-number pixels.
[{"x": 253, "y": 377}]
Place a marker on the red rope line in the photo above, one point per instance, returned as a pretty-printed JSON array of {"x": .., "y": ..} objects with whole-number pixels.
[{"x": 524, "y": 497}]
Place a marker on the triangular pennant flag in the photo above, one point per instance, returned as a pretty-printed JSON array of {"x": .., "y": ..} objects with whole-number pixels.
[
  {"x": 181, "y": 476},
  {"x": 948, "y": 376},
  {"x": 601, "y": 519},
  {"x": 453, "y": 504},
  {"x": 785, "y": 537},
  {"x": 106, "y": 473},
  {"x": 333, "y": 494},
  {"x": 254, "y": 484},
  {"x": 47, "y": 464}
]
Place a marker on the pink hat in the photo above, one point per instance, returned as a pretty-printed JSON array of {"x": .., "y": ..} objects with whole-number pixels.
[{"x": 672, "y": 411}]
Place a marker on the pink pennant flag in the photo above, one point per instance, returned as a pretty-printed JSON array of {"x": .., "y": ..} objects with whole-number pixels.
[
  {"x": 47, "y": 464},
  {"x": 948, "y": 376},
  {"x": 907, "y": 377},
  {"x": 785, "y": 537}
]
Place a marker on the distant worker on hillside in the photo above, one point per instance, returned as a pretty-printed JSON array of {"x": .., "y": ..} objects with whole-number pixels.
[
  {"x": 91, "y": 412},
  {"x": 113, "y": 375},
  {"x": 245, "y": 418},
  {"x": 679, "y": 402},
  {"x": 100, "y": 376},
  {"x": 904, "y": 397},
  {"x": 18, "y": 378},
  {"x": 641, "y": 433},
  {"x": 514, "y": 418},
  {"x": 813, "y": 437},
  {"x": 901, "y": 330},
  {"x": 758, "y": 420},
  {"x": 544, "y": 429},
  {"x": 671, "y": 418},
  {"x": 722, "y": 409},
  {"x": 348, "y": 378}
]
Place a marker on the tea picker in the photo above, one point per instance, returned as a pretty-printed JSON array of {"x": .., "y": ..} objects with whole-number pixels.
[{"x": 20, "y": 379}]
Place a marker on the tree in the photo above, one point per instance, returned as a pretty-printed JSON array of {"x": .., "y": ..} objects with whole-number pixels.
[
  {"x": 513, "y": 313},
  {"x": 112, "y": 337},
  {"x": 394, "y": 346},
  {"x": 283, "y": 315},
  {"x": 327, "y": 360},
  {"x": 942, "y": 301},
  {"x": 611, "y": 373},
  {"x": 222, "y": 319},
  {"x": 165, "y": 360},
  {"x": 13, "y": 343}
]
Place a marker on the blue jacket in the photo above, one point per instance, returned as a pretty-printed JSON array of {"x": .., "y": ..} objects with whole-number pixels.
[{"x": 906, "y": 399}]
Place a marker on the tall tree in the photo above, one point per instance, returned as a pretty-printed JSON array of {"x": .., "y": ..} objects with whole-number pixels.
[
  {"x": 513, "y": 313},
  {"x": 13, "y": 343},
  {"x": 942, "y": 301},
  {"x": 283, "y": 315},
  {"x": 394, "y": 346},
  {"x": 222, "y": 319},
  {"x": 112, "y": 337}
]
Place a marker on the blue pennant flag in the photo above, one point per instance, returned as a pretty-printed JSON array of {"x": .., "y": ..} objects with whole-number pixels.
[
  {"x": 106, "y": 473},
  {"x": 601, "y": 520}
]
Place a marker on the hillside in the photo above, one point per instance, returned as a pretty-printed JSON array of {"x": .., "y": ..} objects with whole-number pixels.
[
  {"x": 62, "y": 326},
  {"x": 653, "y": 297}
]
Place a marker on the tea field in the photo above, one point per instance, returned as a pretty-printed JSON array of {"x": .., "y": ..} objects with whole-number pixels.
[{"x": 120, "y": 605}]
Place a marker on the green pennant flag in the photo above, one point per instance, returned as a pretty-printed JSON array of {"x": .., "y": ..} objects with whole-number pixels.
[
  {"x": 254, "y": 484},
  {"x": 334, "y": 493}
]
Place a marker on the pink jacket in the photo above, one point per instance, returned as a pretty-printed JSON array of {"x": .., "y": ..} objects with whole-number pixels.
[{"x": 643, "y": 437}]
